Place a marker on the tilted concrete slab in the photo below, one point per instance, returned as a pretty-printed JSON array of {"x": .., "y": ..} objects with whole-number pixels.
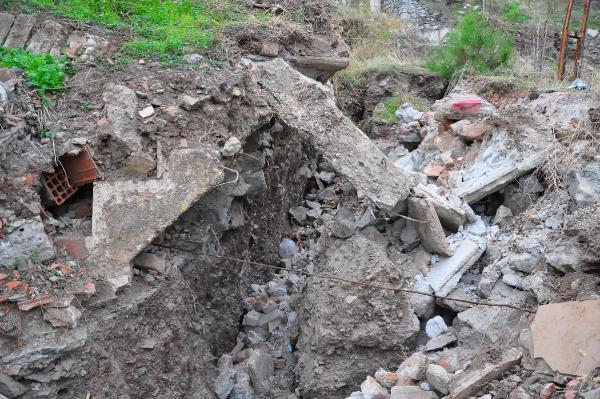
[
  {"x": 47, "y": 35},
  {"x": 20, "y": 31},
  {"x": 128, "y": 214},
  {"x": 308, "y": 107},
  {"x": 445, "y": 274},
  {"x": 6, "y": 22}
]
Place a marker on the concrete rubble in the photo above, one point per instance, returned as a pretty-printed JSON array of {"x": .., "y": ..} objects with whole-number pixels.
[{"x": 245, "y": 239}]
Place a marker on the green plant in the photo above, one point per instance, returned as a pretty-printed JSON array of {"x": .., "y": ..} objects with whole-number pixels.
[
  {"x": 47, "y": 133},
  {"x": 387, "y": 113},
  {"x": 44, "y": 72},
  {"x": 34, "y": 257},
  {"x": 473, "y": 43},
  {"x": 158, "y": 27},
  {"x": 86, "y": 105},
  {"x": 513, "y": 12}
]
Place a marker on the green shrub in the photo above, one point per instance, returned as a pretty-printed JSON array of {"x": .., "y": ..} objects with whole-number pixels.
[
  {"x": 512, "y": 12},
  {"x": 472, "y": 43},
  {"x": 159, "y": 26},
  {"x": 44, "y": 72}
]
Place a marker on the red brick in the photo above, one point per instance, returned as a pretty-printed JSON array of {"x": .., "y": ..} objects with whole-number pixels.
[
  {"x": 36, "y": 302},
  {"x": 75, "y": 246}
]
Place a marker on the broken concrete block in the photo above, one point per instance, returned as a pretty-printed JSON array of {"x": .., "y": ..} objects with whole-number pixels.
[
  {"x": 319, "y": 68},
  {"x": 412, "y": 369},
  {"x": 139, "y": 163},
  {"x": 225, "y": 381},
  {"x": 503, "y": 216},
  {"x": 371, "y": 389},
  {"x": 231, "y": 147},
  {"x": 575, "y": 325},
  {"x": 440, "y": 275},
  {"x": 66, "y": 317},
  {"x": 146, "y": 112},
  {"x": 451, "y": 217},
  {"x": 471, "y": 381},
  {"x": 47, "y": 36},
  {"x": 429, "y": 227},
  {"x": 438, "y": 378},
  {"x": 582, "y": 187},
  {"x": 469, "y": 131},
  {"x": 309, "y": 108},
  {"x": 6, "y": 22},
  {"x": 440, "y": 341},
  {"x": 424, "y": 305},
  {"x": 343, "y": 223},
  {"x": 260, "y": 368},
  {"x": 154, "y": 204},
  {"x": 501, "y": 161},
  {"x": 25, "y": 239}
]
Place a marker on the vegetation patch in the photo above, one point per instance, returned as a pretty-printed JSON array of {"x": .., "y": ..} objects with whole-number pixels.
[
  {"x": 475, "y": 44},
  {"x": 386, "y": 112},
  {"x": 44, "y": 72},
  {"x": 514, "y": 12},
  {"x": 158, "y": 26}
]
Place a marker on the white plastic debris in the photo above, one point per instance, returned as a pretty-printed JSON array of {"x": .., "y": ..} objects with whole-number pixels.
[{"x": 580, "y": 85}]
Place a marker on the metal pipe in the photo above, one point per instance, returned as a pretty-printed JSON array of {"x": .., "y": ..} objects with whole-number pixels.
[
  {"x": 560, "y": 74},
  {"x": 581, "y": 37}
]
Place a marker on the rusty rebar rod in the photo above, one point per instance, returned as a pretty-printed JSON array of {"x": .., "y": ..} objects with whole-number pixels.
[
  {"x": 581, "y": 37},
  {"x": 560, "y": 74}
]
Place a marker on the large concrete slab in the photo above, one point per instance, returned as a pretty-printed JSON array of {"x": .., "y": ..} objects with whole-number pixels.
[
  {"x": 20, "y": 31},
  {"x": 6, "y": 22},
  {"x": 129, "y": 214},
  {"x": 309, "y": 107}
]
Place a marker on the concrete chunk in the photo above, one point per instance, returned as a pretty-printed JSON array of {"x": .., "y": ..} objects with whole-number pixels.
[
  {"x": 442, "y": 275},
  {"x": 450, "y": 216},
  {"x": 430, "y": 231},
  {"x": 472, "y": 381},
  {"x": 153, "y": 204},
  {"x": 6, "y": 22},
  {"x": 20, "y": 31},
  {"x": 25, "y": 240},
  {"x": 46, "y": 37},
  {"x": 309, "y": 108}
]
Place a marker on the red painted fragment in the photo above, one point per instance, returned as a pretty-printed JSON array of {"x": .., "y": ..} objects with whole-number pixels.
[{"x": 467, "y": 105}]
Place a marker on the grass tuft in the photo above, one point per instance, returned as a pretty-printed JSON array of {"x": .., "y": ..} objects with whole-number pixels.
[{"x": 158, "y": 26}]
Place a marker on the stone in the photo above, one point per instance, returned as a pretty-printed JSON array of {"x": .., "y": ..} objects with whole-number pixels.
[
  {"x": 242, "y": 388},
  {"x": 411, "y": 392},
  {"x": 121, "y": 105},
  {"x": 593, "y": 33},
  {"x": 470, "y": 381},
  {"x": 231, "y": 147},
  {"x": 503, "y": 216},
  {"x": 423, "y": 305},
  {"x": 440, "y": 341},
  {"x": 412, "y": 369},
  {"x": 225, "y": 380},
  {"x": 548, "y": 391},
  {"x": 62, "y": 317},
  {"x": 386, "y": 378},
  {"x": 309, "y": 107},
  {"x": 478, "y": 228},
  {"x": 171, "y": 112},
  {"x": 149, "y": 261},
  {"x": 11, "y": 388},
  {"x": 270, "y": 49},
  {"x": 46, "y": 38},
  {"x": 438, "y": 378},
  {"x": 406, "y": 113},
  {"x": 189, "y": 103},
  {"x": 468, "y": 130},
  {"x": 365, "y": 219},
  {"x": 288, "y": 250},
  {"x": 450, "y": 216},
  {"x": 371, "y": 389},
  {"x": 25, "y": 239},
  {"x": 356, "y": 395},
  {"x": 193, "y": 58},
  {"x": 583, "y": 191},
  {"x": 343, "y": 224},
  {"x": 458, "y": 106},
  {"x": 327, "y": 177},
  {"x": 260, "y": 369},
  {"x": 444, "y": 275},
  {"x": 153, "y": 203},
  {"x": 435, "y": 327},
  {"x": 429, "y": 228},
  {"x": 146, "y": 112},
  {"x": 139, "y": 163},
  {"x": 299, "y": 214},
  {"x": 252, "y": 319}
]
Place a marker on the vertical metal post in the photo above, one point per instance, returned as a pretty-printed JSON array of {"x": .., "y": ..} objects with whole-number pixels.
[
  {"x": 581, "y": 37},
  {"x": 560, "y": 74}
]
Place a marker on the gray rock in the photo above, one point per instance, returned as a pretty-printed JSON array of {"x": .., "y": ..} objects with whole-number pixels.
[
  {"x": 11, "y": 388},
  {"x": 121, "y": 106},
  {"x": 583, "y": 190},
  {"x": 193, "y": 58},
  {"x": 63, "y": 317},
  {"x": 478, "y": 228},
  {"x": 593, "y": 33},
  {"x": 411, "y": 392},
  {"x": 424, "y": 305},
  {"x": 365, "y": 219},
  {"x": 412, "y": 369},
  {"x": 288, "y": 250},
  {"x": 430, "y": 229},
  {"x": 226, "y": 379},
  {"x": 260, "y": 367},
  {"x": 327, "y": 177},
  {"x": 435, "y": 327},
  {"x": 371, "y": 389},
  {"x": 440, "y": 341},
  {"x": 299, "y": 213},
  {"x": 343, "y": 224},
  {"x": 503, "y": 216},
  {"x": 242, "y": 388},
  {"x": 406, "y": 113},
  {"x": 149, "y": 261},
  {"x": 356, "y": 395},
  {"x": 438, "y": 378},
  {"x": 25, "y": 239},
  {"x": 231, "y": 147}
]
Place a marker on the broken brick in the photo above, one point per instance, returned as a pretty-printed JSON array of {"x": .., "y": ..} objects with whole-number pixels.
[
  {"x": 36, "y": 302},
  {"x": 75, "y": 246},
  {"x": 434, "y": 170}
]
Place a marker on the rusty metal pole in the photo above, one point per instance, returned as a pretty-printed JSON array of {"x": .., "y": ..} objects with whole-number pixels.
[
  {"x": 560, "y": 74},
  {"x": 581, "y": 37}
]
